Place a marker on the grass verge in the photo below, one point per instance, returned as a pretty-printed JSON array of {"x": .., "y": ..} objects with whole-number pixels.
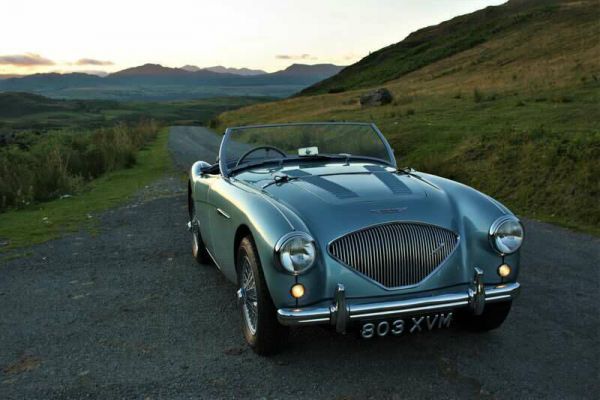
[{"x": 45, "y": 221}]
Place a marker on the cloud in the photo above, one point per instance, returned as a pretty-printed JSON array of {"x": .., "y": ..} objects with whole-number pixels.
[
  {"x": 25, "y": 60},
  {"x": 295, "y": 57},
  {"x": 91, "y": 61}
]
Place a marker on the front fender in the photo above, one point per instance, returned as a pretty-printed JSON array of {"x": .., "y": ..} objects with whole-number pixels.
[
  {"x": 477, "y": 212},
  {"x": 266, "y": 220}
]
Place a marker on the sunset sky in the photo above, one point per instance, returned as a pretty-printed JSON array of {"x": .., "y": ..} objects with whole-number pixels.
[{"x": 69, "y": 35}]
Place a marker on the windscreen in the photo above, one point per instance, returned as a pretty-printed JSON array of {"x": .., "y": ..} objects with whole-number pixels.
[{"x": 252, "y": 145}]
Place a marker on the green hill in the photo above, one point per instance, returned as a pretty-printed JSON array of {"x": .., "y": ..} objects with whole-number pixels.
[
  {"x": 19, "y": 104},
  {"x": 509, "y": 103},
  {"x": 31, "y": 112},
  {"x": 524, "y": 19}
]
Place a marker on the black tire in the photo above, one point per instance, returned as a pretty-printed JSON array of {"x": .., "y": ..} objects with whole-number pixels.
[
  {"x": 493, "y": 316},
  {"x": 199, "y": 251},
  {"x": 263, "y": 333}
]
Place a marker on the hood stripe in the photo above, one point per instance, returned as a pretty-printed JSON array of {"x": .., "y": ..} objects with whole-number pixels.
[
  {"x": 337, "y": 190},
  {"x": 392, "y": 182}
]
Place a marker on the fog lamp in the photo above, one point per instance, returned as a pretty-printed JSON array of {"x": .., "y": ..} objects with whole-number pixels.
[
  {"x": 297, "y": 290},
  {"x": 504, "y": 270}
]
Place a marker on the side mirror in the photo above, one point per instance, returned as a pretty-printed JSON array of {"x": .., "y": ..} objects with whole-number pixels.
[{"x": 200, "y": 168}]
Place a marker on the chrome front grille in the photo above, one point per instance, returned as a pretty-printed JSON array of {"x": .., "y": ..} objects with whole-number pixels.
[{"x": 395, "y": 254}]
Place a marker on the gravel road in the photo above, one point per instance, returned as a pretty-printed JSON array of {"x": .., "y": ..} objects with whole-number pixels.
[{"x": 127, "y": 313}]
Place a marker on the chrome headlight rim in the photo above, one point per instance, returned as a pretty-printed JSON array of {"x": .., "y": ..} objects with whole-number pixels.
[
  {"x": 494, "y": 229},
  {"x": 287, "y": 238}
]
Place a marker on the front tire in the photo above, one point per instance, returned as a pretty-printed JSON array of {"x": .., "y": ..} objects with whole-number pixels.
[
  {"x": 263, "y": 333},
  {"x": 493, "y": 316}
]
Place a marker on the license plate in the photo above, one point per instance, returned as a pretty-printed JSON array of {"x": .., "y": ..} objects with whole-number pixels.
[{"x": 398, "y": 327}]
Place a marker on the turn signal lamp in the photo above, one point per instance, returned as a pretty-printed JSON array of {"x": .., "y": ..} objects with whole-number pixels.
[
  {"x": 504, "y": 270},
  {"x": 297, "y": 290}
]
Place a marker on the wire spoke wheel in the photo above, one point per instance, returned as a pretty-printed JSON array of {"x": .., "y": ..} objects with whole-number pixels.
[
  {"x": 250, "y": 301},
  {"x": 260, "y": 326}
]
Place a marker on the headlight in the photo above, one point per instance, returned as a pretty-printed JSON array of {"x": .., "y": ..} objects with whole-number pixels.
[
  {"x": 506, "y": 234},
  {"x": 296, "y": 252}
]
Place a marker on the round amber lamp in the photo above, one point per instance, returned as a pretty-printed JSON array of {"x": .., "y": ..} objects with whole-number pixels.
[
  {"x": 504, "y": 270},
  {"x": 297, "y": 290}
]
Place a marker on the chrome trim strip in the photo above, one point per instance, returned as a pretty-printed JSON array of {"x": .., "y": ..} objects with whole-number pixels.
[
  {"x": 435, "y": 307},
  {"x": 215, "y": 261},
  {"x": 332, "y": 314},
  {"x": 292, "y": 234},
  {"x": 223, "y": 213}
]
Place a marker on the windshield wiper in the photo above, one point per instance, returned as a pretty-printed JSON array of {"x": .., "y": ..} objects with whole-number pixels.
[
  {"x": 278, "y": 179},
  {"x": 405, "y": 170}
]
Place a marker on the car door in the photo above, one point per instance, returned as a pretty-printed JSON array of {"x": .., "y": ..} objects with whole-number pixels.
[
  {"x": 222, "y": 224},
  {"x": 203, "y": 208}
]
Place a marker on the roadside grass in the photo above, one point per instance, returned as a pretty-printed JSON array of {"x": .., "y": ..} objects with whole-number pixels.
[{"x": 41, "y": 222}]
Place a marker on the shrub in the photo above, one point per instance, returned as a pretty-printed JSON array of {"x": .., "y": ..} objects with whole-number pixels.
[
  {"x": 61, "y": 162},
  {"x": 214, "y": 123}
]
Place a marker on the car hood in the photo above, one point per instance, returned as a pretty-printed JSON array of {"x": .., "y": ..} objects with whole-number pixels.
[{"x": 335, "y": 200}]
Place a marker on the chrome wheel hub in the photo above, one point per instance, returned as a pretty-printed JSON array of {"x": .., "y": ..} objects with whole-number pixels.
[{"x": 247, "y": 296}]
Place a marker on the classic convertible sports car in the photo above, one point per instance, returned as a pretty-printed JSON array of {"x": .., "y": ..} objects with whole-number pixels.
[{"x": 316, "y": 224}]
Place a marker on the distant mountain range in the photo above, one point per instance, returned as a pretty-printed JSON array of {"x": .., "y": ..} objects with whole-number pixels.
[
  {"x": 224, "y": 70},
  {"x": 156, "y": 82}
]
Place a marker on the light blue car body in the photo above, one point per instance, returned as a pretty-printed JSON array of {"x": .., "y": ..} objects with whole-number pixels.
[{"x": 231, "y": 207}]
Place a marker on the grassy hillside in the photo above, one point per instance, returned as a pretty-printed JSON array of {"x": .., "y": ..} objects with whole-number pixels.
[
  {"x": 515, "y": 114},
  {"x": 528, "y": 20}
]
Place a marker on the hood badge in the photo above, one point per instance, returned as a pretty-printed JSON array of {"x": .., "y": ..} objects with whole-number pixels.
[{"x": 389, "y": 210}]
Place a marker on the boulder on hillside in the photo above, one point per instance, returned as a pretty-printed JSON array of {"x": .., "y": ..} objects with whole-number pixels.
[{"x": 378, "y": 97}]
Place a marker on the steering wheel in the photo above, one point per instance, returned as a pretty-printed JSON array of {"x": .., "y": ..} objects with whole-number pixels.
[{"x": 246, "y": 154}]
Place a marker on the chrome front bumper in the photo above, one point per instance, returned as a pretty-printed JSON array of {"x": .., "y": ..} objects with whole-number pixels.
[{"x": 340, "y": 313}]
